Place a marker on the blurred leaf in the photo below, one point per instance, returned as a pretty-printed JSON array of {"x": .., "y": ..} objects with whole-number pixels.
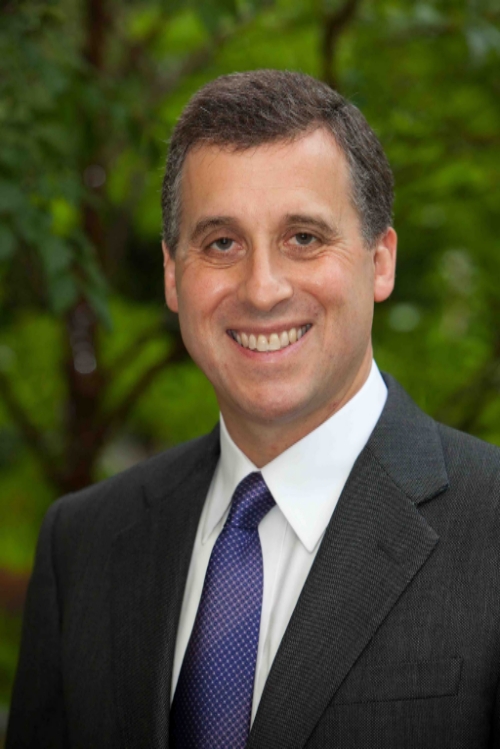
[
  {"x": 56, "y": 255},
  {"x": 98, "y": 301},
  {"x": 7, "y": 242},
  {"x": 483, "y": 38},
  {"x": 216, "y": 14},
  {"x": 63, "y": 292},
  {"x": 65, "y": 217},
  {"x": 11, "y": 197},
  {"x": 184, "y": 33}
]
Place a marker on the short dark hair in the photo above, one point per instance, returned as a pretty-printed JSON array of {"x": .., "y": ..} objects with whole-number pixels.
[{"x": 244, "y": 110}]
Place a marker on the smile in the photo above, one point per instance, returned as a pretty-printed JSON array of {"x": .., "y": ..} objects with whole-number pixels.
[{"x": 271, "y": 342}]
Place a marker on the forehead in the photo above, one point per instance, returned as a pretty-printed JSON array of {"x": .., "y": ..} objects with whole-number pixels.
[{"x": 284, "y": 175}]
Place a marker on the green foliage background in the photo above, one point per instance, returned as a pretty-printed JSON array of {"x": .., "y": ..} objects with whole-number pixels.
[{"x": 89, "y": 92}]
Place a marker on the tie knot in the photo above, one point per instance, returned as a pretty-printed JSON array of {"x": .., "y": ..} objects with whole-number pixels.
[{"x": 251, "y": 501}]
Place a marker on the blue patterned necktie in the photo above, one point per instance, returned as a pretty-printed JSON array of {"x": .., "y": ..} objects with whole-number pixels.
[{"x": 213, "y": 701}]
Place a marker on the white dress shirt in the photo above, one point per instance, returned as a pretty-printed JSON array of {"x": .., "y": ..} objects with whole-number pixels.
[{"x": 306, "y": 482}]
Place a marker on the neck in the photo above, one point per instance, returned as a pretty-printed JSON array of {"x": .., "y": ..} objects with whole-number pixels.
[{"x": 262, "y": 441}]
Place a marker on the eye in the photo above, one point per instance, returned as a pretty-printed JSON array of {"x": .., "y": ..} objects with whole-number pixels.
[
  {"x": 223, "y": 244},
  {"x": 304, "y": 239}
]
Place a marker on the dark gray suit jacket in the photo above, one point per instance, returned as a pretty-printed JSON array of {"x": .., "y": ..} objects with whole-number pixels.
[{"x": 394, "y": 643}]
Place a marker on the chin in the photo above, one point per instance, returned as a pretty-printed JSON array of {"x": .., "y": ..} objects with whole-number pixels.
[{"x": 276, "y": 410}]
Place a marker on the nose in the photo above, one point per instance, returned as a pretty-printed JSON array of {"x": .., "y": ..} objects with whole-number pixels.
[{"x": 265, "y": 283}]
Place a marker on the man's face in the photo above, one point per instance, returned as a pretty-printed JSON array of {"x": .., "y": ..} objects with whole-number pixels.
[{"x": 272, "y": 281}]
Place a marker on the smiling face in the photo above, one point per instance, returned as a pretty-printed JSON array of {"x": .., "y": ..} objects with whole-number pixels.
[{"x": 273, "y": 283}]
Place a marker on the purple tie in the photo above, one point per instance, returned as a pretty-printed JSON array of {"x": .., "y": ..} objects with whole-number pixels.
[{"x": 213, "y": 701}]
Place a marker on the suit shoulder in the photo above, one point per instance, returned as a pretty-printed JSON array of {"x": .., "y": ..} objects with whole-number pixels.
[
  {"x": 470, "y": 456},
  {"x": 467, "y": 445},
  {"x": 122, "y": 495}
]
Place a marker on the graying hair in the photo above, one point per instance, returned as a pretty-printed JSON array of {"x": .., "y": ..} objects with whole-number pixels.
[{"x": 244, "y": 110}]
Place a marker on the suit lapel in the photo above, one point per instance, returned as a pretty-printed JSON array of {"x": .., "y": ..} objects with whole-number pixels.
[
  {"x": 376, "y": 542},
  {"x": 150, "y": 562}
]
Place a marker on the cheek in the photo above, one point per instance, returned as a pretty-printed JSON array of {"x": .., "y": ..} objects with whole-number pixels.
[
  {"x": 330, "y": 287},
  {"x": 346, "y": 296},
  {"x": 202, "y": 290}
]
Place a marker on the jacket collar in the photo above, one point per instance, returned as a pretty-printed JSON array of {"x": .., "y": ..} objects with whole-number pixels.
[{"x": 407, "y": 444}]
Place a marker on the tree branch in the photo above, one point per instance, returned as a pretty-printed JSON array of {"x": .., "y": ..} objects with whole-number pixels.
[
  {"x": 124, "y": 357},
  {"x": 98, "y": 20},
  {"x": 199, "y": 59},
  {"x": 333, "y": 26},
  {"x": 118, "y": 414},
  {"x": 32, "y": 435},
  {"x": 13, "y": 587},
  {"x": 136, "y": 52}
]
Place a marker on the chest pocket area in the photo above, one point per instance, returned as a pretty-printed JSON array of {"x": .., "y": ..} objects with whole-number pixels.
[{"x": 401, "y": 681}]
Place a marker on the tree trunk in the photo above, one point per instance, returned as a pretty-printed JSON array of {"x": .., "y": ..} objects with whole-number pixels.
[{"x": 333, "y": 26}]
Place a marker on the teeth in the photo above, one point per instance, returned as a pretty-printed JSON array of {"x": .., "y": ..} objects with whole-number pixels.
[
  {"x": 262, "y": 343},
  {"x": 274, "y": 342}
]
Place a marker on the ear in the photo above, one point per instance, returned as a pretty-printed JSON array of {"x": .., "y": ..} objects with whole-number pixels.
[
  {"x": 384, "y": 260},
  {"x": 169, "y": 277}
]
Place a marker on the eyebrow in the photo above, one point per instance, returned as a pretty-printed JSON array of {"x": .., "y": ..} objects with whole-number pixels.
[
  {"x": 291, "y": 219},
  {"x": 212, "y": 222},
  {"x": 312, "y": 222}
]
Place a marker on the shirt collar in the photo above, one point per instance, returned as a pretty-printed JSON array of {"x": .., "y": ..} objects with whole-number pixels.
[{"x": 307, "y": 479}]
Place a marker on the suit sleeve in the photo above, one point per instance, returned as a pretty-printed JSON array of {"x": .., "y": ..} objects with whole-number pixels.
[
  {"x": 495, "y": 722},
  {"x": 37, "y": 719}
]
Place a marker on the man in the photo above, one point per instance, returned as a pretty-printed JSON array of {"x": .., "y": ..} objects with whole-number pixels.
[{"x": 324, "y": 568}]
